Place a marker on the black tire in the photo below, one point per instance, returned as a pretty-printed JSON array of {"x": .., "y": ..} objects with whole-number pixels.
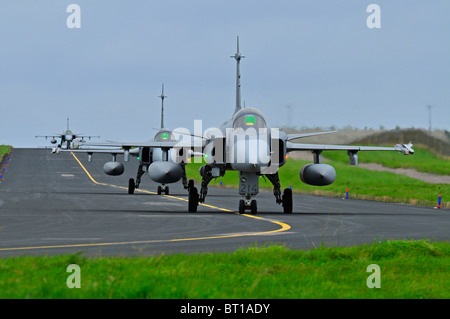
[
  {"x": 287, "y": 201},
  {"x": 159, "y": 190},
  {"x": 131, "y": 186},
  {"x": 166, "y": 190},
  {"x": 190, "y": 184},
  {"x": 241, "y": 207},
  {"x": 193, "y": 200},
  {"x": 253, "y": 207}
]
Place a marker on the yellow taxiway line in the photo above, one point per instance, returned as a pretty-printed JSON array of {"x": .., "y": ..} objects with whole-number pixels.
[{"x": 284, "y": 226}]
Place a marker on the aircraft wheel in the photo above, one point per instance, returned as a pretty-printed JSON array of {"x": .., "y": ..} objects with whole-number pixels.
[
  {"x": 131, "y": 186},
  {"x": 193, "y": 200},
  {"x": 166, "y": 190},
  {"x": 241, "y": 207},
  {"x": 159, "y": 190},
  {"x": 287, "y": 201},
  {"x": 253, "y": 207}
]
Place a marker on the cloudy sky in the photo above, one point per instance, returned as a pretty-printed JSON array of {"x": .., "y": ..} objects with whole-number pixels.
[{"x": 307, "y": 63}]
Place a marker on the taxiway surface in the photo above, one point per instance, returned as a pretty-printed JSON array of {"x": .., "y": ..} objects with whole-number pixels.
[{"x": 57, "y": 204}]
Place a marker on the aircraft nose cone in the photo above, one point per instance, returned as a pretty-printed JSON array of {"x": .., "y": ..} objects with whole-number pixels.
[
  {"x": 165, "y": 172},
  {"x": 68, "y": 137},
  {"x": 251, "y": 155}
]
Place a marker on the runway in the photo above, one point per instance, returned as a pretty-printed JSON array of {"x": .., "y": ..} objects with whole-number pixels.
[{"x": 59, "y": 204}]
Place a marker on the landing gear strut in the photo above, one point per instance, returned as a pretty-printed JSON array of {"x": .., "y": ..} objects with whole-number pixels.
[
  {"x": 139, "y": 174},
  {"x": 132, "y": 186},
  {"x": 206, "y": 178}
]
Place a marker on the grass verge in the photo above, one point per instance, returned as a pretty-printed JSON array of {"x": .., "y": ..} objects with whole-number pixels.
[
  {"x": 4, "y": 150},
  {"x": 362, "y": 184},
  {"x": 423, "y": 160},
  {"x": 408, "y": 269}
]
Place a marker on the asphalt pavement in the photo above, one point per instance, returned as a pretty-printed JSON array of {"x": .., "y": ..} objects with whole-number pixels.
[{"x": 62, "y": 204}]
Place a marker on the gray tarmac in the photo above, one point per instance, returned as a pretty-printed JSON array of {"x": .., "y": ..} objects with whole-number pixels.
[{"x": 62, "y": 204}]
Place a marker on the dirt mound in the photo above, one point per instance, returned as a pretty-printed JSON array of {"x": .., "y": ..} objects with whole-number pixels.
[
  {"x": 344, "y": 136},
  {"x": 436, "y": 141},
  {"x": 433, "y": 142}
]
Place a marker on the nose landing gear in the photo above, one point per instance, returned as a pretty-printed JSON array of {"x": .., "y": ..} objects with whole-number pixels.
[
  {"x": 164, "y": 189},
  {"x": 248, "y": 205}
]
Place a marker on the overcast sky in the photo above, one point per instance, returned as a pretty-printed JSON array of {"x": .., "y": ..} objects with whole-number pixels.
[{"x": 307, "y": 63}]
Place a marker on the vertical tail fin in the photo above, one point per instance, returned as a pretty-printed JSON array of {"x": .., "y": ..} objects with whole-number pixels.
[
  {"x": 162, "y": 96},
  {"x": 238, "y": 58}
]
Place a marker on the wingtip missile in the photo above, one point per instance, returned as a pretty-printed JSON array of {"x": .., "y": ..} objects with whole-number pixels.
[{"x": 406, "y": 149}]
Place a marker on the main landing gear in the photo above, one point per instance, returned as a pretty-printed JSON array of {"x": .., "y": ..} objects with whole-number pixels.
[
  {"x": 248, "y": 187},
  {"x": 286, "y": 201},
  {"x": 132, "y": 185},
  {"x": 194, "y": 196},
  {"x": 193, "y": 199}
]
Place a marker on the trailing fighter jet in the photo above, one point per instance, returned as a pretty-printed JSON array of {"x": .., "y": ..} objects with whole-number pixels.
[
  {"x": 246, "y": 144},
  {"x": 157, "y": 161},
  {"x": 67, "y": 138},
  {"x": 155, "y": 158}
]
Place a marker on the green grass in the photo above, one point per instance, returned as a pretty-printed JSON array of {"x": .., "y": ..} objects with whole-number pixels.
[
  {"x": 408, "y": 269},
  {"x": 423, "y": 160},
  {"x": 362, "y": 184},
  {"x": 4, "y": 149}
]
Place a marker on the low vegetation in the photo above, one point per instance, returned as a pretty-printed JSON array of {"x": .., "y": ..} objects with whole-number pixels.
[
  {"x": 407, "y": 269},
  {"x": 4, "y": 149},
  {"x": 362, "y": 183},
  {"x": 423, "y": 160}
]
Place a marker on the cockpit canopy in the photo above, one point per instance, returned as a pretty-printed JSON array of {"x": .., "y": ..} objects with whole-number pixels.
[
  {"x": 164, "y": 136},
  {"x": 249, "y": 118}
]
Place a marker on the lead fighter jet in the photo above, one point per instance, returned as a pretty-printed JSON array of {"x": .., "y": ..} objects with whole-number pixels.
[{"x": 244, "y": 143}]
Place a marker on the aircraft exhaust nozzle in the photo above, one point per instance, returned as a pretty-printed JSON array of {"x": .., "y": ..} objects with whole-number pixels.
[
  {"x": 113, "y": 168},
  {"x": 318, "y": 174},
  {"x": 165, "y": 172}
]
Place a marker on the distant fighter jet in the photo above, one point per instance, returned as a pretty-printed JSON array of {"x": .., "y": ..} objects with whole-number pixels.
[
  {"x": 245, "y": 144},
  {"x": 67, "y": 138},
  {"x": 155, "y": 158}
]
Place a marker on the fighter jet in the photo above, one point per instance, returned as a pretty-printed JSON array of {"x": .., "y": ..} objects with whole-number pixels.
[
  {"x": 68, "y": 138},
  {"x": 157, "y": 161},
  {"x": 246, "y": 144},
  {"x": 155, "y": 158}
]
